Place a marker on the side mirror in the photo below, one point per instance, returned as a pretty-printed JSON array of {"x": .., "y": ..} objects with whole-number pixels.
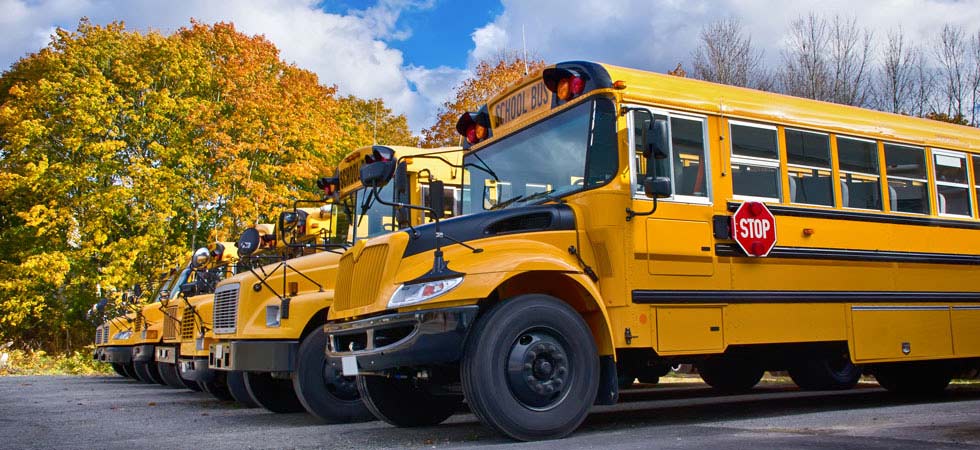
[
  {"x": 378, "y": 167},
  {"x": 656, "y": 140},
  {"x": 656, "y": 187},
  {"x": 403, "y": 216},
  {"x": 188, "y": 289},
  {"x": 287, "y": 223},
  {"x": 138, "y": 290},
  {"x": 100, "y": 306},
  {"x": 125, "y": 297},
  {"x": 201, "y": 258},
  {"x": 436, "y": 196},
  {"x": 248, "y": 243},
  {"x": 164, "y": 295}
]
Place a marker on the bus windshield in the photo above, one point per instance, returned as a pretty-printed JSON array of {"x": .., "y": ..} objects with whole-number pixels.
[
  {"x": 364, "y": 217},
  {"x": 566, "y": 153}
]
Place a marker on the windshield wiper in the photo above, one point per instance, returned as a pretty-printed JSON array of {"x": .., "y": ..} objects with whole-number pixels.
[
  {"x": 506, "y": 203},
  {"x": 524, "y": 199}
]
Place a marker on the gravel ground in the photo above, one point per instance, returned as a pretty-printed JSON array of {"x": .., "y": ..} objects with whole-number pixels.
[{"x": 112, "y": 412}]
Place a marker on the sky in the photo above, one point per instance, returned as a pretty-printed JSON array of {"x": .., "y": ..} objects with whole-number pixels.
[{"x": 411, "y": 53}]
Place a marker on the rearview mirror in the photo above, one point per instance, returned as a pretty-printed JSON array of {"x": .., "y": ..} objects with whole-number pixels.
[
  {"x": 201, "y": 258},
  {"x": 436, "y": 196},
  {"x": 248, "y": 243},
  {"x": 656, "y": 187},
  {"x": 378, "y": 167},
  {"x": 287, "y": 223}
]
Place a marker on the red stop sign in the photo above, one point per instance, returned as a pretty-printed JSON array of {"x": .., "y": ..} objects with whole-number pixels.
[{"x": 754, "y": 228}]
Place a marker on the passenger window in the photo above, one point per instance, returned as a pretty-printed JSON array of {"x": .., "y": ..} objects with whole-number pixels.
[
  {"x": 860, "y": 177},
  {"x": 907, "y": 183},
  {"x": 976, "y": 171},
  {"x": 755, "y": 161},
  {"x": 952, "y": 183},
  {"x": 808, "y": 155},
  {"x": 687, "y": 163}
]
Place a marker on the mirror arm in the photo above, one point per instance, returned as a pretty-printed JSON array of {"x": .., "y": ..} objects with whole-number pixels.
[{"x": 630, "y": 214}]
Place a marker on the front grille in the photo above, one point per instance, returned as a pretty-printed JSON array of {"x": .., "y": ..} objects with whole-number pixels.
[
  {"x": 138, "y": 322},
  {"x": 358, "y": 282},
  {"x": 187, "y": 324},
  {"x": 226, "y": 309},
  {"x": 170, "y": 323},
  {"x": 98, "y": 335}
]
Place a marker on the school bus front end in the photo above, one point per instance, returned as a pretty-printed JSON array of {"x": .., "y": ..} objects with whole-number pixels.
[{"x": 598, "y": 242}]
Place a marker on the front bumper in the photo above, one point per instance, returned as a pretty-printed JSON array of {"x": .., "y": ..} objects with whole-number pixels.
[
  {"x": 166, "y": 354},
  {"x": 254, "y": 356},
  {"x": 119, "y": 355},
  {"x": 195, "y": 369},
  {"x": 97, "y": 355},
  {"x": 143, "y": 353},
  {"x": 413, "y": 339}
]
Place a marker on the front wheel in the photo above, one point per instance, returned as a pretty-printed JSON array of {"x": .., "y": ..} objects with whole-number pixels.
[
  {"x": 170, "y": 375},
  {"x": 275, "y": 394},
  {"x": 404, "y": 403},
  {"x": 120, "y": 369},
  {"x": 530, "y": 368},
  {"x": 147, "y": 372},
  {"x": 217, "y": 386},
  {"x": 322, "y": 389}
]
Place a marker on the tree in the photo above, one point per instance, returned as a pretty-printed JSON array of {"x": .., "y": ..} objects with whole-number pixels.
[
  {"x": 119, "y": 150},
  {"x": 725, "y": 55},
  {"x": 950, "y": 52},
  {"x": 827, "y": 60},
  {"x": 490, "y": 77},
  {"x": 896, "y": 85}
]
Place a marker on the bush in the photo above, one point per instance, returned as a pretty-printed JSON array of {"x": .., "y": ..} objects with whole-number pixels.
[{"x": 20, "y": 362}]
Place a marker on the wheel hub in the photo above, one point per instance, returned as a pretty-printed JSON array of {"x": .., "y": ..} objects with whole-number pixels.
[{"x": 538, "y": 369}]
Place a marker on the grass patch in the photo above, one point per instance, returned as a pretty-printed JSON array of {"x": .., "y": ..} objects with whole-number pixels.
[{"x": 20, "y": 362}]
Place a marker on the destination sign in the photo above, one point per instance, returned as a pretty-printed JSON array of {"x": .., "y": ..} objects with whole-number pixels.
[{"x": 529, "y": 100}]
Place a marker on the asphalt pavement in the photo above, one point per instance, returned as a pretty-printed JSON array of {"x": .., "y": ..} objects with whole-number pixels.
[{"x": 116, "y": 413}]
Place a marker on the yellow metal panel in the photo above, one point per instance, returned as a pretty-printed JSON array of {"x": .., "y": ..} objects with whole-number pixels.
[
  {"x": 901, "y": 333},
  {"x": 966, "y": 330},
  {"x": 641, "y": 321},
  {"x": 689, "y": 329},
  {"x": 679, "y": 247},
  {"x": 767, "y": 323}
]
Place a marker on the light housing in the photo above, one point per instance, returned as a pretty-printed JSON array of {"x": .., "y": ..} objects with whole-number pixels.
[
  {"x": 272, "y": 316},
  {"x": 411, "y": 294},
  {"x": 566, "y": 83},
  {"x": 474, "y": 126}
]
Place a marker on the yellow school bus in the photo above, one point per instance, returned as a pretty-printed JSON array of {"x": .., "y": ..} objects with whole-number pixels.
[
  {"x": 597, "y": 218},
  {"x": 268, "y": 321}
]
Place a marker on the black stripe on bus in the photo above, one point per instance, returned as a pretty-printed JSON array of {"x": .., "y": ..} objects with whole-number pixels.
[
  {"x": 795, "y": 211},
  {"x": 685, "y": 297},
  {"x": 733, "y": 250}
]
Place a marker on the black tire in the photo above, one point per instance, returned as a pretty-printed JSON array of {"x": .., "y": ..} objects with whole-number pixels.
[
  {"x": 403, "y": 403},
  {"x": 236, "y": 386},
  {"x": 143, "y": 372},
  {"x": 130, "y": 371},
  {"x": 193, "y": 385},
  {"x": 625, "y": 379},
  {"x": 730, "y": 374},
  {"x": 648, "y": 379},
  {"x": 832, "y": 373},
  {"x": 322, "y": 389},
  {"x": 917, "y": 379},
  {"x": 170, "y": 376},
  {"x": 120, "y": 369},
  {"x": 530, "y": 368},
  {"x": 217, "y": 386},
  {"x": 275, "y": 394}
]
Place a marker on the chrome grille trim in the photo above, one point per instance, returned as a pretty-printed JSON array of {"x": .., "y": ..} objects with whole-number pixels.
[
  {"x": 187, "y": 324},
  {"x": 226, "y": 309},
  {"x": 170, "y": 323}
]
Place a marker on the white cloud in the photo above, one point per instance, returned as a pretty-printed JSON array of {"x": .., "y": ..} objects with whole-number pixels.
[
  {"x": 348, "y": 50},
  {"x": 658, "y": 34}
]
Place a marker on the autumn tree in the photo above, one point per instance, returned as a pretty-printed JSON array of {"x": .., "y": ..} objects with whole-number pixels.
[
  {"x": 490, "y": 77},
  {"x": 725, "y": 55},
  {"x": 119, "y": 150}
]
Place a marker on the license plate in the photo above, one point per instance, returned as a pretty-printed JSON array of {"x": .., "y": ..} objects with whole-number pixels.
[{"x": 349, "y": 364}]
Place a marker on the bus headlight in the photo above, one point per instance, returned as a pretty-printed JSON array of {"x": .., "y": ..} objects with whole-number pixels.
[
  {"x": 122, "y": 335},
  {"x": 410, "y": 294}
]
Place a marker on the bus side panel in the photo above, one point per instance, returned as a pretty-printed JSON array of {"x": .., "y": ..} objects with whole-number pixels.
[
  {"x": 966, "y": 330},
  {"x": 897, "y": 332}
]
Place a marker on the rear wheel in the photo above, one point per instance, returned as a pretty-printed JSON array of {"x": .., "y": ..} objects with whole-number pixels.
[
  {"x": 530, "y": 368},
  {"x": 120, "y": 369},
  {"x": 824, "y": 374},
  {"x": 913, "y": 378},
  {"x": 322, "y": 389},
  {"x": 730, "y": 374},
  {"x": 275, "y": 394},
  {"x": 217, "y": 386},
  {"x": 404, "y": 403},
  {"x": 170, "y": 376},
  {"x": 236, "y": 386}
]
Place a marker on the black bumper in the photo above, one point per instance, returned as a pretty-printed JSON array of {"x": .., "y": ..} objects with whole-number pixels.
[
  {"x": 254, "y": 356},
  {"x": 143, "y": 353},
  {"x": 414, "y": 339},
  {"x": 195, "y": 369},
  {"x": 119, "y": 355}
]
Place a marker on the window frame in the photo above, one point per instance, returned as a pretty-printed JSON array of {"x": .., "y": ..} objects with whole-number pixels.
[
  {"x": 970, "y": 183},
  {"x": 755, "y": 161},
  {"x": 974, "y": 160},
  {"x": 841, "y": 172},
  {"x": 830, "y": 161},
  {"x": 708, "y": 199},
  {"x": 889, "y": 177}
]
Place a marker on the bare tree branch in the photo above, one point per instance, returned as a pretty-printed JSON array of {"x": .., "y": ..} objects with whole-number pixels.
[{"x": 725, "y": 55}]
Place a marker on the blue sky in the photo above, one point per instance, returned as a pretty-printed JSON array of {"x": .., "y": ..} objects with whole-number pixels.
[{"x": 412, "y": 53}]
